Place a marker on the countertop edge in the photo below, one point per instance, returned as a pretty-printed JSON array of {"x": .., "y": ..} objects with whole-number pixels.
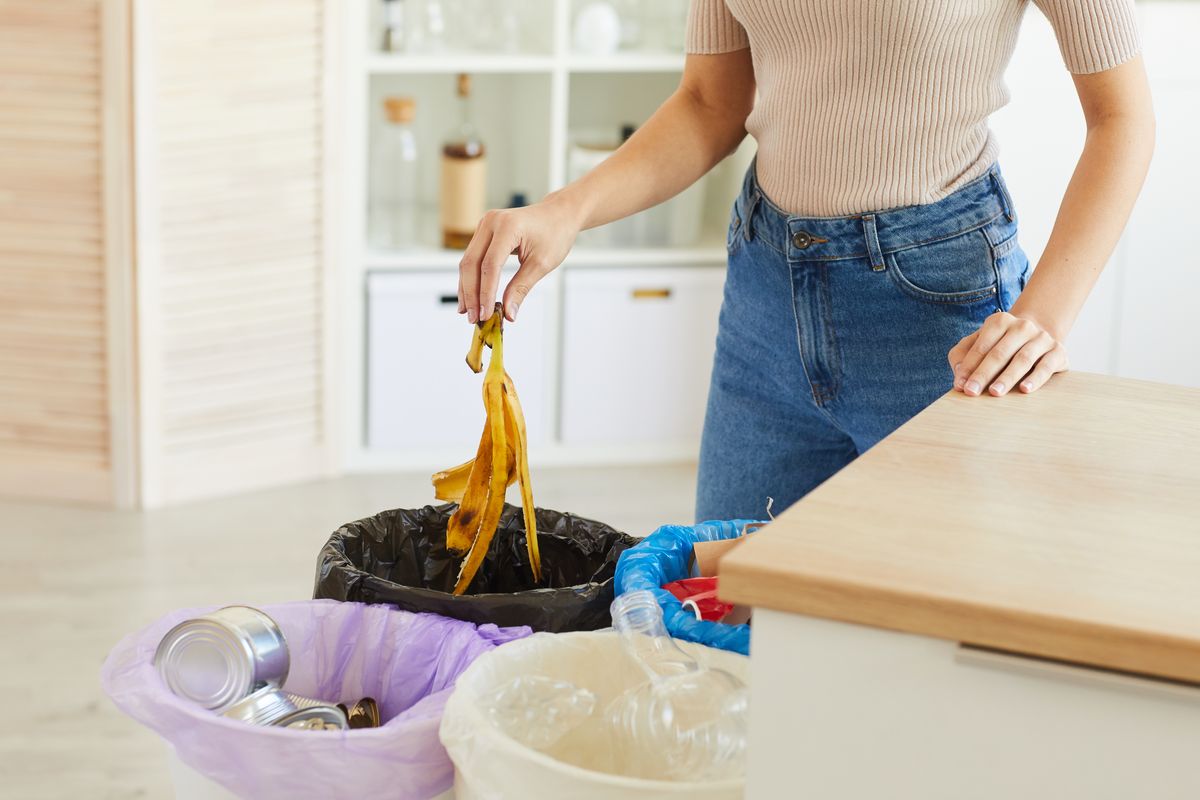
[{"x": 744, "y": 580}]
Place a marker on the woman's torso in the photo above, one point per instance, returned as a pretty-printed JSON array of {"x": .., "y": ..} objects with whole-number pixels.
[{"x": 875, "y": 104}]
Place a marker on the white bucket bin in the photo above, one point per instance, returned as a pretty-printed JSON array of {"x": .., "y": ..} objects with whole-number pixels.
[{"x": 489, "y": 765}]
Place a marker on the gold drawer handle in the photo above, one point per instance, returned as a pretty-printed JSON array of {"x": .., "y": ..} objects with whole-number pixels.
[{"x": 651, "y": 294}]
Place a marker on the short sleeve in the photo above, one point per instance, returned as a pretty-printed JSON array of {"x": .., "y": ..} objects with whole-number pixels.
[
  {"x": 1093, "y": 35},
  {"x": 711, "y": 28}
]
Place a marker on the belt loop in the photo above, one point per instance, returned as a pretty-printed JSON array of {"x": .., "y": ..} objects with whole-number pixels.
[
  {"x": 748, "y": 217},
  {"x": 872, "y": 236},
  {"x": 1005, "y": 198}
]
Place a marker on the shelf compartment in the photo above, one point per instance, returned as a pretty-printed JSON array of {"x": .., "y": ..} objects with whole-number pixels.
[
  {"x": 471, "y": 28},
  {"x": 401, "y": 64},
  {"x": 512, "y": 114}
]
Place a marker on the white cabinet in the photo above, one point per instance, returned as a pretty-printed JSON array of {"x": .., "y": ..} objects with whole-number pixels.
[
  {"x": 637, "y": 354},
  {"x": 421, "y": 396}
]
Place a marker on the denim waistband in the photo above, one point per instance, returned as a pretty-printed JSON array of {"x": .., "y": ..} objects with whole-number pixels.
[{"x": 871, "y": 235}]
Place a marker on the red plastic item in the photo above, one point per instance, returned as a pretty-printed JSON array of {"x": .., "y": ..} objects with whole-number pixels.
[{"x": 702, "y": 592}]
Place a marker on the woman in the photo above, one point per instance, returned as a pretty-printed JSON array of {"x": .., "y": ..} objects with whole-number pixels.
[{"x": 874, "y": 240}]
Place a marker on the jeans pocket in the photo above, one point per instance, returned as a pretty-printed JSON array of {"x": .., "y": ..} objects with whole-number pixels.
[
  {"x": 960, "y": 269},
  {"x": 732, "y": 235}
]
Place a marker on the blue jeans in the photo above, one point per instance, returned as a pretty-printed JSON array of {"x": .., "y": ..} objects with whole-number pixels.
[{"x": 834, "y": 331}]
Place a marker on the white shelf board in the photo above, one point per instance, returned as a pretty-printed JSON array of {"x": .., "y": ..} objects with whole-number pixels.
[
  {"x": 627, "y": 62},
  {"x": 426, "y": 258},
  {"x": 402, "y": 63},
  {"x": 699, "y": 255}
]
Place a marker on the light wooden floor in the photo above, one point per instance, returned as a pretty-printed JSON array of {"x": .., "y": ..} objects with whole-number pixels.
[{"x": 75, "y": 580}]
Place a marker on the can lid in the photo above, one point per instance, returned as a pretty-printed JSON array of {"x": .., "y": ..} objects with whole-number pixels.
[{"x": 205, "y": 662}]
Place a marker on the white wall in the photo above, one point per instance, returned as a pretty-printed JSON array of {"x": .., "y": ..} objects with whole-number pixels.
[{"x": 1136, "y": 322}]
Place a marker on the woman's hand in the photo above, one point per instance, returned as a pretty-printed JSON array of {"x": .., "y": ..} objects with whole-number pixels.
[
  {"x": 541, "y": 236},
  {"x": 1007, "y": 350}
]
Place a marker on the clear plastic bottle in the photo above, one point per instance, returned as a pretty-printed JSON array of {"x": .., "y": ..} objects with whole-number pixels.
[
  {"x": 538, "y": 711},
  {"x": 688, "y": 721},
  {"x": 395, "y": 195}
]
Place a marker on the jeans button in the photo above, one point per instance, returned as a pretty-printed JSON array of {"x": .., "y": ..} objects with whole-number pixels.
[{"x": 802, "y": 239}]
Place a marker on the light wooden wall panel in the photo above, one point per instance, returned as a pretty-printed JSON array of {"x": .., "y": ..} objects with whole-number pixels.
[
  {"x": 62, "y": 93},
  {"x": 232, "y": 274}
]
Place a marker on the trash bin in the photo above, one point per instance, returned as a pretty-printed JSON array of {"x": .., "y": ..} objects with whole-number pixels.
[
  {"x": 489, "y": 764},
  {"x": 663, "y": 557},
  {"x": 339, "y": 652},
  {"x": 399, "y": 557}
]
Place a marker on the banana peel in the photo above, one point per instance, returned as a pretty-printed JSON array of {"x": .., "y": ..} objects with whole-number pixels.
[
  {"x": 479, "y": 485},
  {"x": 516, "y": 419},
  {"x": 450, "y": 485}
]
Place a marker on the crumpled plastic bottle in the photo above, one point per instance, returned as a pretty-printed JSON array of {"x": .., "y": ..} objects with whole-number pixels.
[
  {"x": 537, "y": 710},
  {"x": 687, "y": 721}
]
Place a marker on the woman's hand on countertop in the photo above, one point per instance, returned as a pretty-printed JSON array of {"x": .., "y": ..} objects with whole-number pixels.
[
  {"x": 540, "y": 235},
  {"x": 1007, "y": 351}
]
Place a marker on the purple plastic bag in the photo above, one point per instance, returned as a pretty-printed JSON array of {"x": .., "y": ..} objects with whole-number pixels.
[{"x": 340, "y": 652}]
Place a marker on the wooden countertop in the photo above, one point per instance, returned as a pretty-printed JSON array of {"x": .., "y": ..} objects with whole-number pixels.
[{"x": 1062, "y": 524}]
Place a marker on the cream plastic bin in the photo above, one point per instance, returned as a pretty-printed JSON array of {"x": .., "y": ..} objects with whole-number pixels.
[{"x": 488, "y": 765}]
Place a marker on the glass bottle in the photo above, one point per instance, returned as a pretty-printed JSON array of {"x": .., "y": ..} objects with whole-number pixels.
[
  {"x": 395, "y": 27},
  {"x": 688, "y": 721},
  {"x": 433, "y": 35},
  {"x": 464, "y": 176},
  {"x": 395, "y": 199}
]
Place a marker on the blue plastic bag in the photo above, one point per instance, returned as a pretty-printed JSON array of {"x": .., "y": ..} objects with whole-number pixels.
[{"x": 663, "y": 557}]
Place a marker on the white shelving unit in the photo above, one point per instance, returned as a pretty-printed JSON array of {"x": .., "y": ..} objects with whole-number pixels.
[{"x": 529, "y": 106}]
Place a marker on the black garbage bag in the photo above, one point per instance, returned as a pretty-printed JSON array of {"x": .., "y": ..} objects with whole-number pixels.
[{"x": 399, "y": 557}]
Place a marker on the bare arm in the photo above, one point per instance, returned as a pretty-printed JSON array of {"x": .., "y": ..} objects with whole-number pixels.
[
  {"x": 1025, "y": 346},
  {"x": 700, "y": 124}
]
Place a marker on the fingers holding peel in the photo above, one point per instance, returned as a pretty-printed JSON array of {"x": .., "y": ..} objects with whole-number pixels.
[
  {"x": 505, "y": 240},
  {"x": 530, "y": 272},
  {"x": 468, "y": 272}
]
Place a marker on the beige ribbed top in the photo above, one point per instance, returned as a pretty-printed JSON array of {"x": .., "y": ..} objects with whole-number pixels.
[{"x": 871, "y": 104}]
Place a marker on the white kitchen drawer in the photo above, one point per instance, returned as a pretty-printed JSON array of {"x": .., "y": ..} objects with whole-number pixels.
[
  {"x": 637, "y": 354},
  {"x": 420, "y": 394}
]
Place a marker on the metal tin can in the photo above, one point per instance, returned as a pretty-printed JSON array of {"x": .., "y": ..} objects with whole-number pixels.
[
  {"x": 269, "y": 705},
  {"x": 219, "y": 658},
  {"x": 317, "y": 718},
  {"x": 262, "y": 707}
]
